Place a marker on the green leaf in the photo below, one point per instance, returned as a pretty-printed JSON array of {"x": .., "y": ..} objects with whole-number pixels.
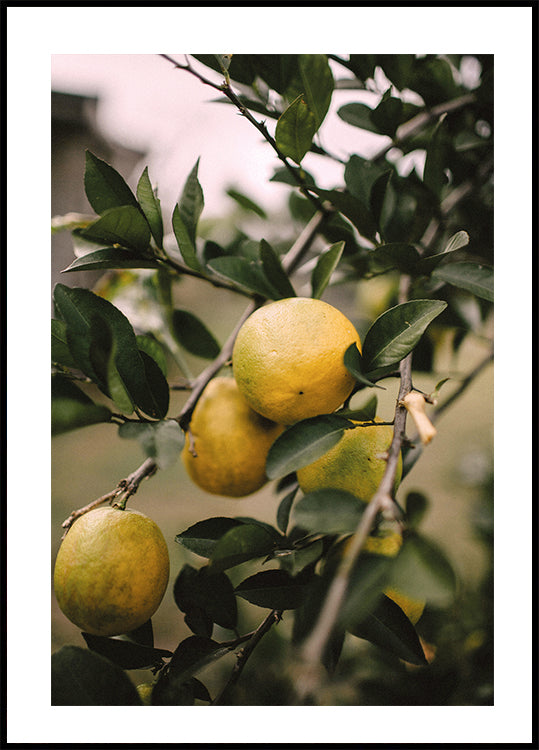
[
  {"x": 185, "y": 218},
  {"x": 295, "y": 130},
  {"x": 365, "y": 413},
  {"x": 388, "y": 627},
  {"x": 244, "y": 542},
  {"x": 360, "y": 175},
  {"x": 162, "y": 441},
  {"x": 328, "y": 511},
  {"x": 274, "y": 271},
  {"x": 60, "y": 353},
  {"x": 193, "y": 335},
  {"x": 303, "y": 443},
  {"x": 388, "y": 115},
  {"x": 394, "y": 334},
  {"x": 297, "y": 559},
  {"x": 315, "y": 84},
  {"x": 358, "y": 115},
  {"x": 212, "y": 593},
  {"x": 473, "y": 277},
  {"x": 416, "y": 505},
  {"x": 83, "y": 678},
  {"x": 396, "y": 255},
  {"x": 369, "y": 577},
  {"x": 283, "y": 511},
  {"x": 191, "y": 656},
  {"x": 353, "y": 361},
  {"x": 105, "y": 187},
  {"x": 110, "y": 257},
  {"x": 273, "y": 589},
  {"x": 153, "y": 348},
  {"x": 185, "y": 244},
  {"x": 378, "y": 198},
  {"x": 424, "y": 572},
  {"x": 71, "y": 408},
  {"x": 202, "y": 537},
  {"x": 123, "y": 225},
  {"x": 352, "y": 208},
  {"x": 457, "y": 241},
  {"x": 326, "y": 264},
  {"x": 151, "y": 207},
  {"x": 141, "y": 376},
  {"x": 245, "y": 202},
  {"x": 247, "y": 274},
  {"x": 126, "y": 654}
]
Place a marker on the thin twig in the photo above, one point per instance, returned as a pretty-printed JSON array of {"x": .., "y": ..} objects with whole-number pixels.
[{"x": 243, "y": 655}]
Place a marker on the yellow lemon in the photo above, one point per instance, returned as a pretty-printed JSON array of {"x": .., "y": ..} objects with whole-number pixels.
[
  {"x": 145, "y": 690},
  {"x": 288, "y": 359},
  {"x": 356, "y": 464},
  {"x": 231, "y": 442},
  {"x": 111, "y": 571}
]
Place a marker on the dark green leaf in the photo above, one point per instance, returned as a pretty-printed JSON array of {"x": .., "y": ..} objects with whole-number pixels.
[
  {"x": 283, "y": 511},
  {"x": 273, "y": 589},
  {"x": 162, "y": 441},
  {"x": 394, "y": 334},
  {"x": 378, "y": 198},
  {"x": 306, "y": 616},
  {"x": 126, "y": 654},
  {"x": 353, "y": 361},
  {"x": 328, "y": 511},
  {"x": 191, "y": 333},
  {"x": 298, "y": 558},
  {"x": 60, "y": 353},
  {"x": 244, "y": 542},
  {"x": 110, "y": 257},
  {"x": 202, "y": 537},
  {"x": 354, "y": 209},
  {"x": 424, "y": 572},
  {"x": 370, "y": 576},
  {"x": 365, "y": 413},
  {"x": 105, "y": 187},
  {"x": 140, "y": 375},
  {"x": 83, "y": 678},
  {"x": 360, "y": 176},
  {"x": 72, "y": 409},
  {"x": 151, "y": 207},
  {"x": 212, "y": 593},
  {"x": 123, "y": 225},
  {"x": 295, "y": 130},
  {"x": 473, "y": 277},
  {"x": 416, "y": 505},
  {"x": 193, "y": 654},
  {"x": 397, "y": 255},
  {"x": 358, "y": 115},
  {"x": 247, "y": 274},
  {"x": 326, "y": 264},
  {"x": 153, "y": 349},
  {"x": 388, "y": 627},
  {"x": 245, "y": 202},
  {"x": 303, "y": 443},
  {"x": 388, "y": 115},
  {"x": 274, "y": 271}
]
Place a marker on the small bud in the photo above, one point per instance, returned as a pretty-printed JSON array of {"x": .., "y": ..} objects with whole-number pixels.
[{"x": 414, "y": 403}]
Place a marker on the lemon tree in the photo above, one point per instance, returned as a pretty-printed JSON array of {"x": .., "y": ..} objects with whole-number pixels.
[
  {"x": 253, "y": 351},
  {"x": 229, "y": 442}
]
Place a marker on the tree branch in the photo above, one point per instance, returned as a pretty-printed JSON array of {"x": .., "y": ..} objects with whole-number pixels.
[{"x": 244, "y": 653}]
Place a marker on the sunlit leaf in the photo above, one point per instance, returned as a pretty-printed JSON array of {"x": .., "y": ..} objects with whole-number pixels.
[
  {"x": 105, "y": 187},
  {"x": 295, "y": 130},
  {"x": 327, "y": 262},
  {"x": 151, "y": 207},
  {"x": 110, "y": 257},
  {"x": 473, "y": 277}
]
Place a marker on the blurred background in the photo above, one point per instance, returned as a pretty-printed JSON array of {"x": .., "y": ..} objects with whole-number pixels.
[{"x": 137, "y": 110}]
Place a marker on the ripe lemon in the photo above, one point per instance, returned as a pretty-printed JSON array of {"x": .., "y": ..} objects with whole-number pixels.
[
  {"x": 111, "y": 571},
  {"x": 389, "y": 545},
  {"x": 356, "y": 464},
  {"x": 288, "y": 359},
  {"x": 231, "y": 442}
]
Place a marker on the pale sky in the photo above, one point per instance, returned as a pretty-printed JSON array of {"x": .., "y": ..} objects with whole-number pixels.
[{"x": 147, "y": 104}]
